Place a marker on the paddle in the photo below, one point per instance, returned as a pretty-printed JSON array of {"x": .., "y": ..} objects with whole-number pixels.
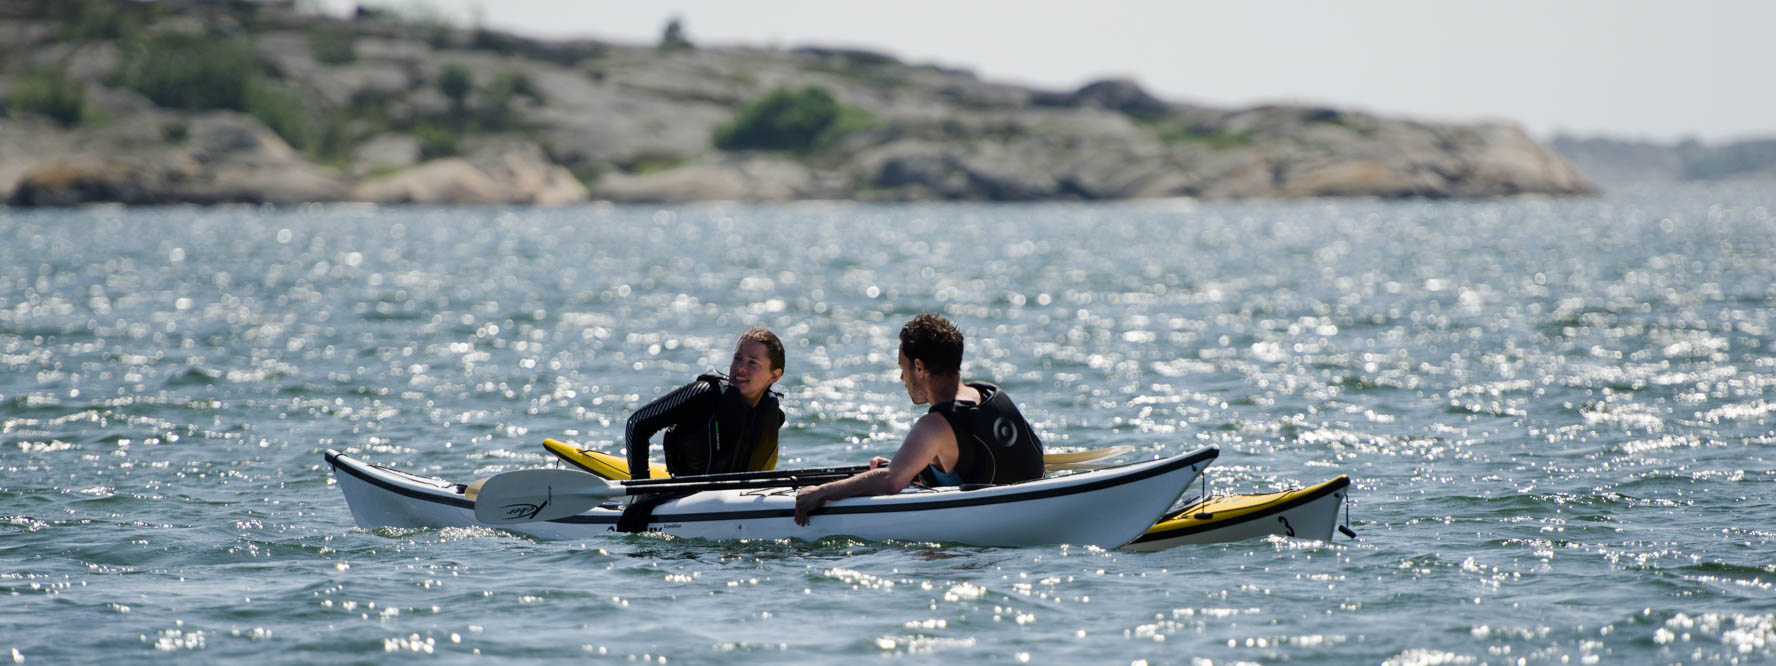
[
  {"x": 528, "y": 495},
  {"x": 473, "y": 491},
  {"x": 1058, "y": 462},
  {"x": 747, "y": 476},
  {"x": 539, "y": 494},
  {"x": 1052, "y": 462}
]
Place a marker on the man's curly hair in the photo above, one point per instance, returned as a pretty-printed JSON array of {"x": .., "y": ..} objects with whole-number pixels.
[{"x": 930, "y": 338}]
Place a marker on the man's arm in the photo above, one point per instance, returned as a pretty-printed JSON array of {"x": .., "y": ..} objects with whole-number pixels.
[
  {"x": 931, "y": 441},
  {"x": 656, "y": 416}
]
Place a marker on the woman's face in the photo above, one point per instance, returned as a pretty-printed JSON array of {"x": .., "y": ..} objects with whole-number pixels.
[{"x": 751, "y": 369}]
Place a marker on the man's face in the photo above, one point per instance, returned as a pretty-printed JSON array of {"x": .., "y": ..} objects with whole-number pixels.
[
  {"x": 751, "y": 369},
  {"x": 913, "y": 377}
]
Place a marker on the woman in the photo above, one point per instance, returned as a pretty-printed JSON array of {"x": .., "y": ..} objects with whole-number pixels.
[{"x": 716, "y": 424}]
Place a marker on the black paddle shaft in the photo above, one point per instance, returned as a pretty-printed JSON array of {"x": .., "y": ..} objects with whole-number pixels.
[
  {"x": 747, "y": 476},
  {"x": 802, "y": 478}
]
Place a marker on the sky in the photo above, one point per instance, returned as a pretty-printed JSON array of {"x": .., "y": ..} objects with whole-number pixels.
[{"x": 1658, "y": 70}]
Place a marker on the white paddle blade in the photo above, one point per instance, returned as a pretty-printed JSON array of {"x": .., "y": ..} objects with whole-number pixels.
[{"x": 528, "y": 495}]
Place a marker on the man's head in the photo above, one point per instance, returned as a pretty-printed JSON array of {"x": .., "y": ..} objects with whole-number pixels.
[
  {"x": 758, "y": 361},
  {"x": 930, "y": 346}
]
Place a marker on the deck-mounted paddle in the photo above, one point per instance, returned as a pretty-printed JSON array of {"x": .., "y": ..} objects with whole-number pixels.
[{"x": 529, "y": 495}]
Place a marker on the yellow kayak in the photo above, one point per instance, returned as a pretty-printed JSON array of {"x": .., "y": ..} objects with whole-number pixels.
[
  {"x": 615, "y": 468},
  {"x": 1307, "y": 513}
]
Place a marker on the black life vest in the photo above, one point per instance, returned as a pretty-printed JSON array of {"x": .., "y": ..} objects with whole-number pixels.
[
  {"x": 994, "y": 444},
  {"x": 736, "y": 437}
]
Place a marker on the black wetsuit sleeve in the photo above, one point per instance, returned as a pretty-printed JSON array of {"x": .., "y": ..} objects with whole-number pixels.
[{"x": 684, "y": 402}]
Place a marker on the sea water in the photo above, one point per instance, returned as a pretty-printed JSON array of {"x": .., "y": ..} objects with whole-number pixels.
[{"x": 1558, "y": 415}]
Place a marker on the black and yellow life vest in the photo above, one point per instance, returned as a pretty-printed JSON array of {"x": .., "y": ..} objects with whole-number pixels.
[{"x": 994, "y": 444}]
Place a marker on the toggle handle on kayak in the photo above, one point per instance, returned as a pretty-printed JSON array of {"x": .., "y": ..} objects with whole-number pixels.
[
  {"x": 1345, "y": 528},
  {"x": 1204, "y": 515}
]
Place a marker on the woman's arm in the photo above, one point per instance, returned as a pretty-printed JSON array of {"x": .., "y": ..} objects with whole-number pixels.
[{"x": 664, "y": 411}]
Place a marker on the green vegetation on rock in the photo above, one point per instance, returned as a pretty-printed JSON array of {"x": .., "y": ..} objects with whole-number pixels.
[
  {"x": 49, "y": 93},
  {"x": 190, "y": 71},
  {"x": 455, "y": 82},
  {"x": 799, "y": 120},
  {"x": 496, "y": 112},
  {"x": 200, "y": 71},
  {"x": 647, "y": 163},
  {"x": 436, "y": 142},
  {"x": 281, "y": 110},
  {"x": 1211, "y": 138},
  {"x": 93, "y": 19},
  {"x": 332, "y": 44}
]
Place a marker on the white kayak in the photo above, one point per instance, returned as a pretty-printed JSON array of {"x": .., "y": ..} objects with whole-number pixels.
[{"x": 1106, "y": 508}]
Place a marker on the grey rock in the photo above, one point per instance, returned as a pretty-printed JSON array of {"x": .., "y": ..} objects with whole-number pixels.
[
  {"x": 494, "y": 170},
  {"x": 741, "y": 178},
  {"x": 385, "y": 151},
  {"x": 445, "y": 181},
  {"x": 638, "y": 123}
]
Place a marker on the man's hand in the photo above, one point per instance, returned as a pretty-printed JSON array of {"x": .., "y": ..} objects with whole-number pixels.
[
  {"x": 878, "y": 481},
  {"x": 878, "y": 461},
  {"x": 808, "y": 500}
]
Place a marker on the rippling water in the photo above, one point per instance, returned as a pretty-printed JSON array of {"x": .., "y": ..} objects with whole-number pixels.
[{"x": 1558, "y": 415}]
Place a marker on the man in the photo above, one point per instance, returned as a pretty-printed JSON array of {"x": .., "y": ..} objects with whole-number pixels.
[
  {"x": 972, "y": 433},
  {"x": 716, "y": 424}
]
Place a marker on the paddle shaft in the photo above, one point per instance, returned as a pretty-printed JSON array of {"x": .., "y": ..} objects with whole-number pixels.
[
  {"x": 666, "y": 485},
  {"x": 1074, "y": 460},
  {"x": 800, "y": 477},
  {"x": 749, "y": 476},
  {"x": 785, "y": 477},
  {"x": 1077, "y": 460}
]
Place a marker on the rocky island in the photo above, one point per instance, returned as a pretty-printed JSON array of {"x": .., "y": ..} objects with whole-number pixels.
[{"x": 182, "y": 101}]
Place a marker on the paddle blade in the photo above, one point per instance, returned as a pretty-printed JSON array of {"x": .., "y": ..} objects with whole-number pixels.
[
  {"x": 1077, "y": 460},
  {"x": 529, "y": 495}
]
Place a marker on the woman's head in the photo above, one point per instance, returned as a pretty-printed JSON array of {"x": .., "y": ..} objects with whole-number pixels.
[{"x": 758, "y": 362}]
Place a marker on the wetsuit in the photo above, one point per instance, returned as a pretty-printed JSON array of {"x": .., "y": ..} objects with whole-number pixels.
[{"x": 994, "y": 444}]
